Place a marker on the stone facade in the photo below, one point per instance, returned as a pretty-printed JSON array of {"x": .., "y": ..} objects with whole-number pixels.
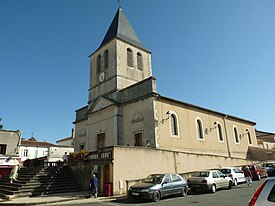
[{"x": 10, "y": 142}]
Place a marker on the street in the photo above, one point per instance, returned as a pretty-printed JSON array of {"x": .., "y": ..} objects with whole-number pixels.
[{"x": 238, "y": 196}]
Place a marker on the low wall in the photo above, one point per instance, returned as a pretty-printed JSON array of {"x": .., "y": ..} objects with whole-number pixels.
[
  {"x": 261, "y": 154},
  {"x": 130, "y": 164},
  {"x": 133, "y": 163},
  {"x": 82, "y": 171}
]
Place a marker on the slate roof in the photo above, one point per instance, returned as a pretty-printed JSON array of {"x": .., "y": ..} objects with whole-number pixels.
[{"x": 122, "y": 29}]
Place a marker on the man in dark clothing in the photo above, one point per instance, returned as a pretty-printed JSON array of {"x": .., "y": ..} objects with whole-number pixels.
[{"x": 93, "y": 185}]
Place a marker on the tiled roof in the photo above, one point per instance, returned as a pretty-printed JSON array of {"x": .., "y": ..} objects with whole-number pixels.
[{"x": 36, "y": 144}]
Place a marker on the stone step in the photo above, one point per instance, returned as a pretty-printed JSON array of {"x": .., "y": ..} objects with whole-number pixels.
[
  {"x": 39, "y": 181},
  {"x": 39, "y": 191}
]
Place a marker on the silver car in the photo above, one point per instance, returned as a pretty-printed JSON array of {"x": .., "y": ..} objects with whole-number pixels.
[
  {"x": 265, "y": 194},
  {"x": 209, "y": 180},
  {"x": 156, "y": 186},
  {"x": 236, "y": 174}
]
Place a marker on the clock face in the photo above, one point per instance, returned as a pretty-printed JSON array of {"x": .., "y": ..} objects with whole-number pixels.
[{"x": 101, "y": 76}]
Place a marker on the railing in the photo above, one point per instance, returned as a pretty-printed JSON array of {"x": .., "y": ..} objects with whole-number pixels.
[
  {"x": 102, "y": 154},
  {"x": 53, "y": 164}
]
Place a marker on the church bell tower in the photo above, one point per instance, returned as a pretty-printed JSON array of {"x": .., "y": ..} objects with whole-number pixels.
[{"x": 119, "y": 62}]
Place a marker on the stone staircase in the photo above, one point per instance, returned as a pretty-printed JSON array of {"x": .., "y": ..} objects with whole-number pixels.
[{"x": 39, "y": 180}]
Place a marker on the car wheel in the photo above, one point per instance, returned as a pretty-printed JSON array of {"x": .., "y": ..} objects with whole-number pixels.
[
  {"x": 156, "y": 196},
  {"x": 266, "y": 175},
  {"x": 230, "y": 184},
  {"x": 235, "y": 182},
  {"x": 259, "y": 177},
  {"x": 213, "y": 188},
  {"x": 184, "y": 191}
]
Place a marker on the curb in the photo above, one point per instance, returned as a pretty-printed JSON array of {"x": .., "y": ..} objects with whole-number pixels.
[
  {"x": 49, "y": 201},
  {"x": 25, "y": 201}
]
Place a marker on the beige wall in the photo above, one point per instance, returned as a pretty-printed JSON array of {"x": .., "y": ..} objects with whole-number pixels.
[
  {"x": 80, "y": 135},
  {"x": 109, "y": 84},
  {"x": 11, "y": 140},
  {"x": 130, "y": 75},
  {"x": 187, "y": 138},
  {"x": 268, "y": 145},
  {"x": 138, "y": 117},
  {"x": 148, "y": 161},
  {"x": 103, "y": 121},
  {"x": 118, "y": 75}
]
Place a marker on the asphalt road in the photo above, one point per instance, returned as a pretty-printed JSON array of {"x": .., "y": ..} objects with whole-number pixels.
[{"x": 237, "y": 196}]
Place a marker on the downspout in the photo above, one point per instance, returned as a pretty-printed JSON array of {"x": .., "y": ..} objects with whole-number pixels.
[
  {"x": 175, "y": 162},
  {"x": 226, "y": 134}
]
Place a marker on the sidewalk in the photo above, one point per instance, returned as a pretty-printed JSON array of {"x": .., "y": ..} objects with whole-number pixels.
[{"x": 54, "y": 198}]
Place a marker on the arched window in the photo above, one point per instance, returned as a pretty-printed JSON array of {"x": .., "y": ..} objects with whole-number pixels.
[
  {"x": 98, "y": 65},
  {"x": 139, "y": 61},
  {"x": 199, "y": 129},
  {"x": 220, "y": 133},
  {"x": 249, "y": 136},
  {"x": 130, "y": 62},
  {"x": 174, "y": 124},
  {"x": 106, "y": 59},
  {"x": 236, "y": 135}
]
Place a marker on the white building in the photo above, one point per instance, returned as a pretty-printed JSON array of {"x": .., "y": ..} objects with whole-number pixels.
[
  {"x": 32, "y": 149},
  {"x": 57, "y": 152},
  {"x": 68, "y": 141},
  {"x": 266, "y": 140}
]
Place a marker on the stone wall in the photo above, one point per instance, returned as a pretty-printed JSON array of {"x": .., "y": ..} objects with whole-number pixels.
[{"x": 260, "y": 154}]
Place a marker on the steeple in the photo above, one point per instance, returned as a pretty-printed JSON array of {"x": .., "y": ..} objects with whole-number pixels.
[{"x": 122, "y": 29}]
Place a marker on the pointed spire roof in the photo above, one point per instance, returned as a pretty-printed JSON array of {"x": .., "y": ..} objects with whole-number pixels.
[{"x": 122, "y": 29}]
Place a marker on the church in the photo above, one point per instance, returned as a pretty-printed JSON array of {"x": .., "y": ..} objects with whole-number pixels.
[{"x": 132, "y": 130}]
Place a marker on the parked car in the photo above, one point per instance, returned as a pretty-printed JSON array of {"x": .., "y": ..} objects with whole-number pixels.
[
  {"x": 156, "y": 186},
  {"x": 257, "y": 171},
  {"x": 236, "y": 174},
  {"x": 209, "y": 180},
  {"x": 265, "y": 194},
  {"x": 270, "y": 168}
]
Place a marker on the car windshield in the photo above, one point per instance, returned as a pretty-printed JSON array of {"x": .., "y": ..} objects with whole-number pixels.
[
  {"x": 156, "y": 179},
  {"x": 226, "y": 171},
  {"x": 268, "y": 165},
  {"x": 201, "y": 174}
]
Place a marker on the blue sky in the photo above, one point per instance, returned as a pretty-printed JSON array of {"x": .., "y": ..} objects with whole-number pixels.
[{"x": 216, "y": 54}]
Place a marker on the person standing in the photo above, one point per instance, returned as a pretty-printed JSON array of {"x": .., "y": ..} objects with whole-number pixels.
[
  {"x": 65, "y": 158},
  {"x": 248, "y": 176},
  {"x": 93, "y": 185},
  {"x": 14, "y": 171}
]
